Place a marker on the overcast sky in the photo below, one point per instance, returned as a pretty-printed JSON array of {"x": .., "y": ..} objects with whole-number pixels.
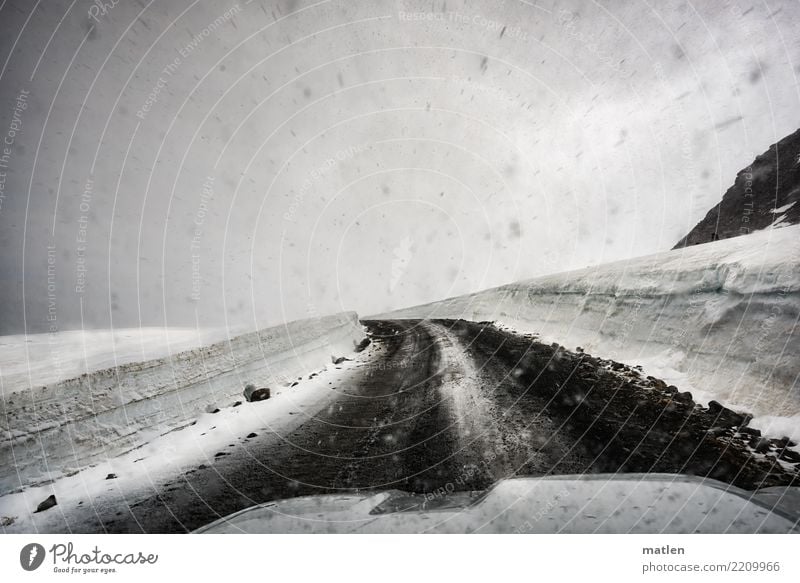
[{"x": 211, "y": 163}]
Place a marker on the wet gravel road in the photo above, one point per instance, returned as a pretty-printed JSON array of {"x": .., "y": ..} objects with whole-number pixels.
[{"x": 418, "y": 415}]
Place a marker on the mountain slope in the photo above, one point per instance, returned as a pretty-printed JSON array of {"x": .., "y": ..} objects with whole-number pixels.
[{"x": 764, "y": 194}]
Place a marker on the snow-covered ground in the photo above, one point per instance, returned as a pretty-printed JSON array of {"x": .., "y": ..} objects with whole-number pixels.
[
  {"x": 720, "y": 319},
  {"x": 58, "y": 421}
]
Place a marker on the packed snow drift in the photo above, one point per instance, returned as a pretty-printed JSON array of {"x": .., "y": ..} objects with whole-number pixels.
[
  {"x": 57, "y": 428},
  {"x": 719, "y": 319}
]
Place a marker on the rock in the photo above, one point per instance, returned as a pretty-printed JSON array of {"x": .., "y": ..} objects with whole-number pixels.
[
  {"x": 7, "y": 520},
  {"x": 790, "y": 456},
  {"x": 360, "y": 346},
  {"x": 719, "y": 431},
  {"x": 750, "y": 431},
  {"x": 212, "y": 409},
  {"x": 237, "y": 403},
  {"x": 252, "y": 435},
  {"x": 111, "y": 477},
  {"x": 591, "y": 361},
  {"x": 782, "y": 445},
  {"x": 683, "y": 397},
  {"x": 260, "y": 395},
  {"x": 338, "y": 359},
  {"x": 49, "y": 502},
  {"x": 727, "y": 417},
  {"x": 784, "y": 442},
  {"x": 252, "y": 394},
  {"x": 760, "y": 444},
  {"x": 659, "y": 384}
]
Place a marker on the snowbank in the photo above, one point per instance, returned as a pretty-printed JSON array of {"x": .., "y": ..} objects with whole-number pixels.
[
  {"x": 67, "y": 424},
  {"x": 719, "y": 319},
  {"x": 33, "y": 360}
]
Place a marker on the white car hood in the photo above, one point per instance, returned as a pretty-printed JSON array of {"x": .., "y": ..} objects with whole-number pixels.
[{"x": 629, "y": 503}]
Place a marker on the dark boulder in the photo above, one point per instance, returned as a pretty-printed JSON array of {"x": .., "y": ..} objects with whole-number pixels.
[
  {"x": 784, "y": 442},
  {"x": 790, "y": 456},
  {"x": 660, "y": 385},
  {"x": 750, "y": 431},
  {"x": 784, "y": 452},
  {"x": 760, "y": 444},
  {"x": 47, "y": 503},
  {"x": 719, "y": 431},
  {"x": 684, "y": 397},
  {"x": 360, "y": 346},
  {"x": 726, "y": 417},
  {"x": 253, "y": 394}
]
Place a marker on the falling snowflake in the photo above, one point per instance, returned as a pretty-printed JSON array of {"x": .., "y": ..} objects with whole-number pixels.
[{"x": 401, "y": 257}]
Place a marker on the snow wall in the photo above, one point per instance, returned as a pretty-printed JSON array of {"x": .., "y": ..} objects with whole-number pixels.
[
  {"x": 52, "y": 430},
  {"x": 719, "y": 319}
]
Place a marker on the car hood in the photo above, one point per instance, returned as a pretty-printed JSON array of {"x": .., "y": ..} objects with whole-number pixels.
[{"x": 629, "y": 503}]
